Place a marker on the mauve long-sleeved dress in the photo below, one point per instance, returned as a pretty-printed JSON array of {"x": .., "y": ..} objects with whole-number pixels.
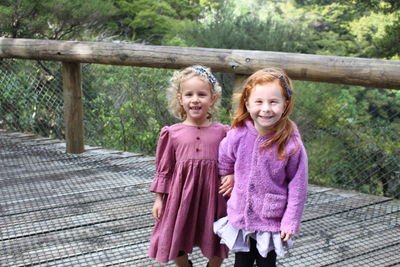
[{"x": 187, "y": 171}]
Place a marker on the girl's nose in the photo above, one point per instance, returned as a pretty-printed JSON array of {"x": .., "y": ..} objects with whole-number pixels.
[{"x": 265, "y": 107}]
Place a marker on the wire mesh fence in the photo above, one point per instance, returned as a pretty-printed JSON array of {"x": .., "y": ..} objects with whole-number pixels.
[
  {"x": 94, "y": 209},
  {"x": 351, "y": 133}
]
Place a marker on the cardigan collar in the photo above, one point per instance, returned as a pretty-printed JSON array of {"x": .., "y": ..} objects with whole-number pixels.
[{"x": 252, "y": 129}]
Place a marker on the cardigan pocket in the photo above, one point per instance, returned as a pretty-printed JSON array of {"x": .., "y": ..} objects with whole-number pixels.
[{"x": 274, "y": 206}]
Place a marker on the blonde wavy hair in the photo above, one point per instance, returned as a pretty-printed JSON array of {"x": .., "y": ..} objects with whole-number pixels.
[{"x": 174, "y": 90}]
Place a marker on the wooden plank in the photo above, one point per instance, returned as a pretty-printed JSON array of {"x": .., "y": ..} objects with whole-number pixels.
[
  {"x": 38, "y": 202},
  {"x": 30, "y": 229},
  {"x": 337, "y": 201},
  {"x": 378, "y": 257},
  {"x": 73, "y": 107},
  {"x": 101, "y": 216},
  {"x": 90, "y": 242},
  {"x": 68, "y": 200},
  {"x": 47, "y": 154},
  {"x": 330, "y": 239},
  {"x": 58, "y": 145},
  {"x": 56, "y": 184},
  {"x": 196, "y": 257},
  {"x": 333, "y": 69},
  {"x": 315, "y": 189},
  {"x": 105, "y": 205},
  {"x": 47, "y": 166}
]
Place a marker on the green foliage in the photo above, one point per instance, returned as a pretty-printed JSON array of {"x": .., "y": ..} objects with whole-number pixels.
[
  {"x": 388, "y": 45},
  {"x": 353, "y": 28},
  {"x": 21, "y": 100},
  {"x": 351, "y": 136},
  {"x": 150, "y": 20},
  {"x": 227, "y": 30},
  {"x": 128, "y": 109},
  {"x": 55, "y": 19},
  {"x": 147, "y": 20},
  {"x": 351, "y": 133}
]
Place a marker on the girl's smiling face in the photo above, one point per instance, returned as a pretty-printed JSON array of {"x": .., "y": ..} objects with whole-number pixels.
[
  {"x": 266, "y": 105},
  {"x": 196, "y": 98}
]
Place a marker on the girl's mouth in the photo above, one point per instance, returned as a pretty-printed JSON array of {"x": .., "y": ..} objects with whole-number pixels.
[{"x": 266, "y": 117}]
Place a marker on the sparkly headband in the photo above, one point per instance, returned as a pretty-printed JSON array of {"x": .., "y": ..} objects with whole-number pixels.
[
  {"x": 287, "y": 86},
  {"x": 210, "y": 77}
]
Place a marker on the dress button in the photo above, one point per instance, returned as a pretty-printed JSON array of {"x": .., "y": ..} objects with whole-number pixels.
[
  {"x": 198, "y": 138},
  {"x": 197, "y": 150}
]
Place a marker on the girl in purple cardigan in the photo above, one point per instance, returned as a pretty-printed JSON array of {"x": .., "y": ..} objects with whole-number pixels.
[{"x": 265, "y": 153}]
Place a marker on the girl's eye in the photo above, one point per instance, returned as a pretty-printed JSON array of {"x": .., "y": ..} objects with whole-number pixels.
[{"x": 202, "y": 93}]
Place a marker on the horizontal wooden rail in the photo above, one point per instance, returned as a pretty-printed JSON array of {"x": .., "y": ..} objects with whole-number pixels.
[{"x": 320, "y": 68}]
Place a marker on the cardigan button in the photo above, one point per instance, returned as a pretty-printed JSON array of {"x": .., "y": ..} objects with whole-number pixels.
[
  {"x": 249, "y": 211},
  {"x": 198, "y": 138},
  {"x": 197, "y": 150},
  {"x": 252, "y": 188}
]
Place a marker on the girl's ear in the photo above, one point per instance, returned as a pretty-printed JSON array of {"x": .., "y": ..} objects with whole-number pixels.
[
  {"x": 179, "y": 97},
  {"x": 214, "y": 99},
  {"x": 246, "y": 104}
]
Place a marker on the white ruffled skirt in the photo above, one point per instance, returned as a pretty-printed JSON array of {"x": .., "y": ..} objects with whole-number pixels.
[{"x": 238, "y": 240}]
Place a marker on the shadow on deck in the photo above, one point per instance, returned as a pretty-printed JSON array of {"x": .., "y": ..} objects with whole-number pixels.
[{"x": 93, "y": 209}]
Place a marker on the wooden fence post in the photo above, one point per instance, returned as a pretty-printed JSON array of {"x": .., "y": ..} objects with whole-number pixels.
[
  {"x": 238, "y": 82},
  {"x": 73, "y": 107}
]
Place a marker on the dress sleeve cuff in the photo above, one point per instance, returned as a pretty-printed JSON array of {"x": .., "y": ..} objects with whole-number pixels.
[{"x": 160, "y": 184}]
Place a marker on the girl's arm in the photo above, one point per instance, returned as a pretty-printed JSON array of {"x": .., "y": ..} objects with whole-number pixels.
[
  {"x": 227, "y": 183},
  {"x": 297, "y": 173},
  {"x": 158, "y": 207},
  {"x": 285, "y": 236},
  {"x": 227, "y": 154},
  {"x": 165, "y": 163}
]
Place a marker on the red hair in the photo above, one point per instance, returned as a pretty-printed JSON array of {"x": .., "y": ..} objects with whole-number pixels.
[{"x": 283, "y": 129}]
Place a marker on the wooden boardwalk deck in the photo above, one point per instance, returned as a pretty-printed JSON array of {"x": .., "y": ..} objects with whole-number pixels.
[{"x": 93, "y": 209}]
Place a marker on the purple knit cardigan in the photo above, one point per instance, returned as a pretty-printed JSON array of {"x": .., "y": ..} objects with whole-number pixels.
[{"x": 269, "y": 194}]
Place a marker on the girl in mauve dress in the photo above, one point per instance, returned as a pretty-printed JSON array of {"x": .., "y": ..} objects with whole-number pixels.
[{"x": 186, "y": 182}]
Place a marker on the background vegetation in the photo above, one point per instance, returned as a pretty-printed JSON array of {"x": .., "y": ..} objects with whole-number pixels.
[{"x": 351, "y": 133}]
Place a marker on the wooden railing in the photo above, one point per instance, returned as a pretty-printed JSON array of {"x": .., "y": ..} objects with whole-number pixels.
[{"x": 333, "y": 69}]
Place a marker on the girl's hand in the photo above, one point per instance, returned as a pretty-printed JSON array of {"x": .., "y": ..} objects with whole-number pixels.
[
  {"x": 227, "y": 183},
  {"x": 157, "y": 207},
  {"x": 285, "y": 236}
]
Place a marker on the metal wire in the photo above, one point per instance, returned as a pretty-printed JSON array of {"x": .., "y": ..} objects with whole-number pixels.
[
  {"x": 124, "y": 109},
  {"x": 93, "y": 209}
]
